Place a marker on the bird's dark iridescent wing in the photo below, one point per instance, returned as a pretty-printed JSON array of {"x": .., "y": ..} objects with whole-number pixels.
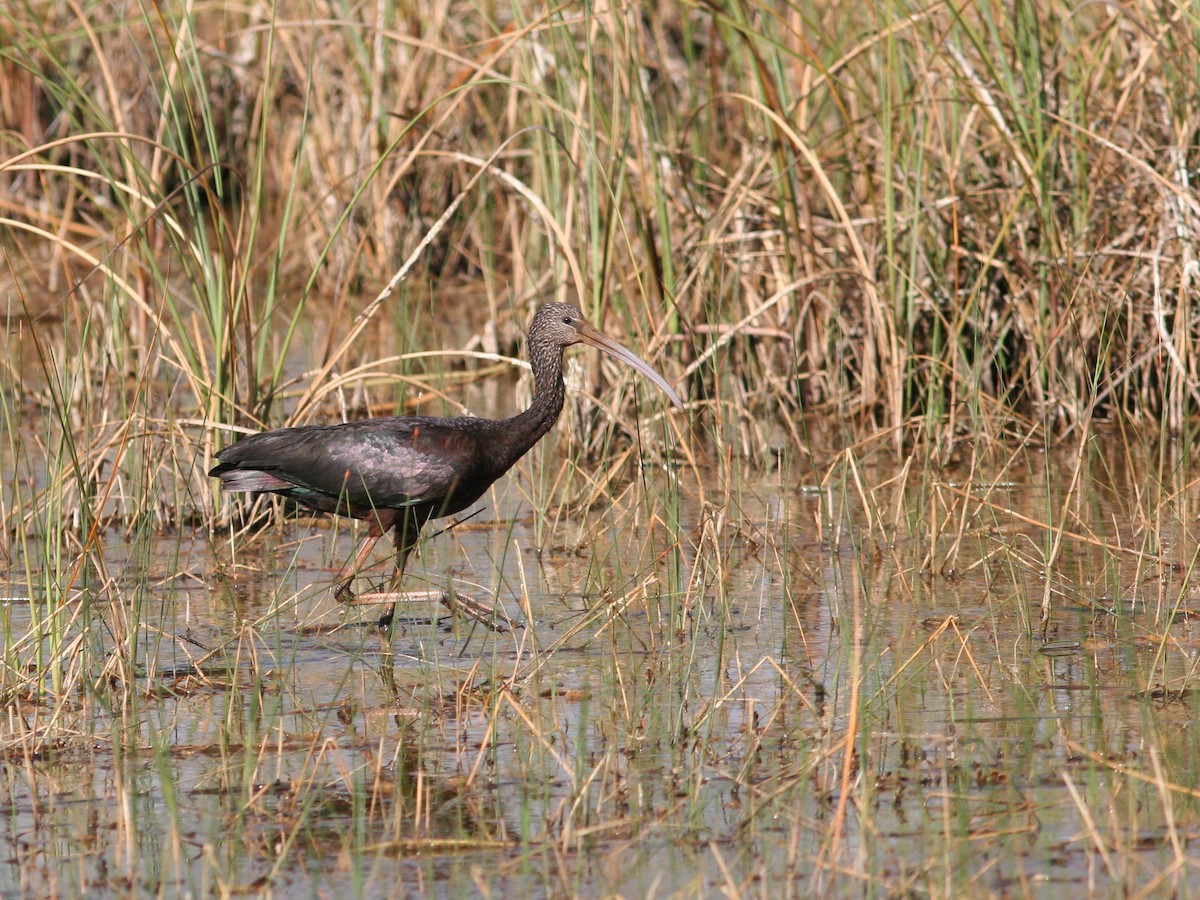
[{"x": 373, "y": 464}]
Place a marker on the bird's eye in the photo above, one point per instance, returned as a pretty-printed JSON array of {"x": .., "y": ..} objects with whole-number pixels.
[{"x": 567, "y": 320}]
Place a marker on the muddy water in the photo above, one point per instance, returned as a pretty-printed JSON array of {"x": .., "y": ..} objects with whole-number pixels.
[{"x": 762, "y": 680}]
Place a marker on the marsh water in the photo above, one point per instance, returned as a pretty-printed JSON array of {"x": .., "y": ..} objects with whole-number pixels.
[{"x": 815, "y": 670}]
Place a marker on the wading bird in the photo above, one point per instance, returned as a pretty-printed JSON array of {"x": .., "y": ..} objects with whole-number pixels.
[{"x": 399, "y": 472}]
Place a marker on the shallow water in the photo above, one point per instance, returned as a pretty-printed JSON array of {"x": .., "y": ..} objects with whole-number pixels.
[{"x": 674, "y": 717}]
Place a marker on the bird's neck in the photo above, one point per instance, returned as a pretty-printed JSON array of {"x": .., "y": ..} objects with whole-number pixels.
[{"x": 517, "y": 435}]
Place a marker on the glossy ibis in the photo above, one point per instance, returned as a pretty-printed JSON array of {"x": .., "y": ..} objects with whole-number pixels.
[{"x": 399, "y": 472}]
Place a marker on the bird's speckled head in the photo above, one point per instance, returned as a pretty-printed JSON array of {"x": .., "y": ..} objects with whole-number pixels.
[{"x": 559, "y": 325}]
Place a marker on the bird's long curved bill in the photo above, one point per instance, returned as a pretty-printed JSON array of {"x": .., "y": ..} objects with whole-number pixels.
[{"x": 592, "y": 336}]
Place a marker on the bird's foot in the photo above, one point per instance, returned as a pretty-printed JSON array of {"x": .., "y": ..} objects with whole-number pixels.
[
  {"x": 493, "y": 617},
  {"x": 343, "y": 594},
  {"x": 395, "y": 597}
]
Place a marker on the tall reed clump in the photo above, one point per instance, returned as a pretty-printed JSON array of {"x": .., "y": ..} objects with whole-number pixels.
[{"x": 959, "y": 221}]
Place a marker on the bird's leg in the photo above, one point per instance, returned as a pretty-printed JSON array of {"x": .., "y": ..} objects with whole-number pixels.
[
  {"x": 407, "y": 533},
  {"x": 343, "y": 594},
  {"x": 406, "y": 540}
]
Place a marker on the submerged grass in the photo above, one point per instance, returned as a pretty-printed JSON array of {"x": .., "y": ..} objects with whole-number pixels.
[{"x": 903, "y": 605}]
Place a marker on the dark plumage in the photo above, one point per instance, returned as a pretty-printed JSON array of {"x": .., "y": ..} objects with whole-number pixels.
[{"x": 399, "y": 472}]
